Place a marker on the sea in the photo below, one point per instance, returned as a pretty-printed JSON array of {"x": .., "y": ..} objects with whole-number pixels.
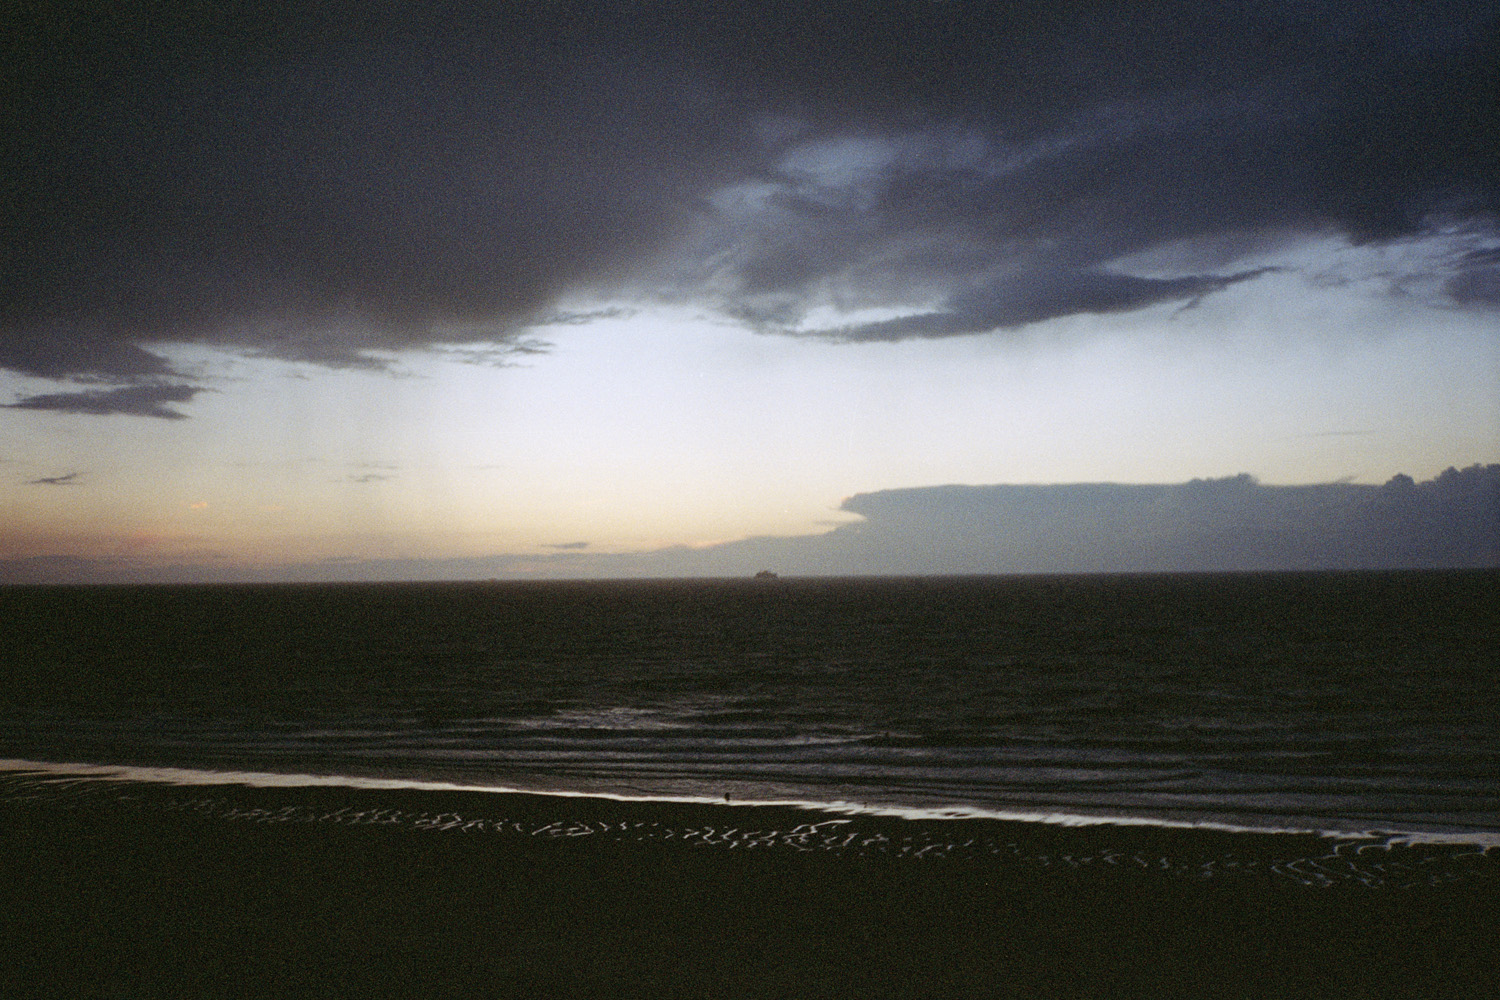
[{"x": 1317, "y": 728}]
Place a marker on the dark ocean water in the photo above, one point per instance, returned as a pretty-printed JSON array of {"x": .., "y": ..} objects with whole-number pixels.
[{"x": 1347, "y": 704}]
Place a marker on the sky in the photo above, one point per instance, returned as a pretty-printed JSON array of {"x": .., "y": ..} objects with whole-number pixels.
[{"x": 662, "y": 289}]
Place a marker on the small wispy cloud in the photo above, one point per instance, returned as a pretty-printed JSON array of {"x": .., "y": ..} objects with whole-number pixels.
[
  {"x": 371, "y": 472},
  {"x": 582, "y": 317},
  {"x": 567, "y": 545},
  {"x": 69, "y": 479},
  {"x": 498, "y": 354}
]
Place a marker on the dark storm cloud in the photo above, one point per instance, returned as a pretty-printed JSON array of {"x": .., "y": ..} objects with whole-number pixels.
[
  {"x": 305, "y": 190},
  {"x": 57, "y": 354},
  {"x": 1477, "y": 280},
  {"x": 133, "y": 400},
  {"x": 331, "y": 189},
  {"x": 1019, "y": 301}
]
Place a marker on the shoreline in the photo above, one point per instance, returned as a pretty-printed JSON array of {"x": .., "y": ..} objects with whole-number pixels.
[{"x": 83, "y": 775}]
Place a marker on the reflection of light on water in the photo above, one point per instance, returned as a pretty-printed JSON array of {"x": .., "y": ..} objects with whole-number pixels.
[
  {"x": 681, "y": 713},
  {"x": 621, "y": 718}
]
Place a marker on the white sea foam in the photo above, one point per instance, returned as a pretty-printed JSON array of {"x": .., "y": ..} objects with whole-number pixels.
[{"x": 182, "y": 776}]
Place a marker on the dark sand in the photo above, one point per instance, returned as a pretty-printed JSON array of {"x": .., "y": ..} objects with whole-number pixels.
[{"x": 122, "y": 899}]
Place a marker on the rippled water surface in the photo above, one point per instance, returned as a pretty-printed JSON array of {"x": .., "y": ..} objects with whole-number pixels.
[{"x": 1340, "y": 702}]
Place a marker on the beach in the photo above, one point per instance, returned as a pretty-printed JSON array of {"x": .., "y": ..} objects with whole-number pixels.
[
  {"x": 156, "y": 890},
  {"x": 1228, "y": 786}
]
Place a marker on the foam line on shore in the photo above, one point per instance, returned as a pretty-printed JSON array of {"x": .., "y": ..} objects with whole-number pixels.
[
  {"x": 199, "y": 777},
  {"x": 93, "y": 794}
]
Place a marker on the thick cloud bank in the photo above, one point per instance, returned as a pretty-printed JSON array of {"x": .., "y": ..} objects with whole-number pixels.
[
  {"x": 1206, "y": 525},
  {"x": 330, "y": 188}
]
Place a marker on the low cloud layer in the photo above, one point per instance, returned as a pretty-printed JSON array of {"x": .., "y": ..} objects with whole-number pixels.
[
  {"x": 133, "y": 400},
  {"x": 1203, "y": 525},
  {"x": 1206, "y": 525},
  {"x": 328, "y": 189}
]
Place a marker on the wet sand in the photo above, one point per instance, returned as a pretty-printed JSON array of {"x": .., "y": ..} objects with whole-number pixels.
[{"x": 106, "y": 897}]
